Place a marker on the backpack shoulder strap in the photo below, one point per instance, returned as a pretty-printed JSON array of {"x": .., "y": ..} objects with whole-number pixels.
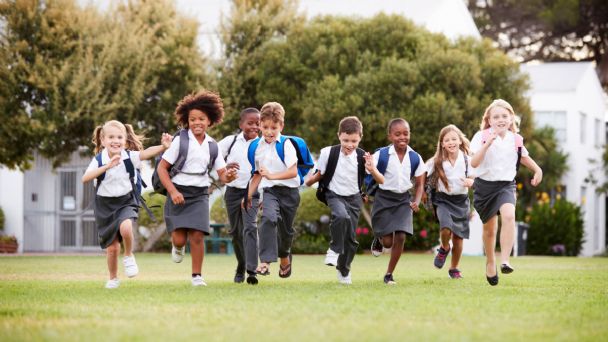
[
  {"x": 485, "y": 134},
  {"x": 466, "y": 165},
  {"x": 414, "y": 162},
  {"x": 360, "y": 168},
  {"x": 383, "y": 159},
  {"x": 182, "y": 155},
  {"x": 230, "y": 147},
  {"x": 251, "y": 153},
  {"x": 213, "y": 152},
  {"x": 332, "y": 162},
  {"x": 280, "y": 146},
  {"x": 101, "y": 177},
  {"x": 129, "y": 166},
  {"x": 519, "y": 141}
]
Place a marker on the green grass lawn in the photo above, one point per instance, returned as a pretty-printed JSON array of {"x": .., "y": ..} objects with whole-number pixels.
[{"x": 62, "y": 298}]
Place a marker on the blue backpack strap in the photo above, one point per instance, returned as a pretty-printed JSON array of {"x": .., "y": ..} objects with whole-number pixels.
[
  {"x": 383, "y": 159},
  {"x": 99, "y": 164},
  {"x": 129, "y": 166},
  {"x": 251, "y": 153},
  {"x": 414, "y": 162},
  {"x": 280, "y": 146}
]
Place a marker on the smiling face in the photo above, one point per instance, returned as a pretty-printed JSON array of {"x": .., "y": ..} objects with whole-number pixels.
[
  {"x": 198, "y": 122},
  {"x": 271, "y": 130},
  {"x": 399, "y": 135},
  {"x": 451, "y": 142},
  {"x": 114, "y": 139},
  {"x": 250, "y": 125},
  {"x": 500, "y": 120},
  {"x": 349, "y": 142}
]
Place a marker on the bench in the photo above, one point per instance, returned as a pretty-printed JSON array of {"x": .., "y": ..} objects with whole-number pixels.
[{"x": 216, "y": 241}]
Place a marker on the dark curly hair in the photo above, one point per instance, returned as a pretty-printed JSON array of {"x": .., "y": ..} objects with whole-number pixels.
[{"x": 206, "y": 101}]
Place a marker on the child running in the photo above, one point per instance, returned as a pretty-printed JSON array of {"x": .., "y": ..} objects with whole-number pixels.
[
  {"x": 450, "y": 182},
  {"x": 392, "y": 209},
  {"x": 187, "y": 206},
  {"x": 118, "y": 157},
  {"x": 497, "y": 152}
]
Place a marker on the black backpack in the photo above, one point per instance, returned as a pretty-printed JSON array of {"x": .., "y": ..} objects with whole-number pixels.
[
  {"x": 176, "y": 168},
  {"x": 332, "y": 162}
]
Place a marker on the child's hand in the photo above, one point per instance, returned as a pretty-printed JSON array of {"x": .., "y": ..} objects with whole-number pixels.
[
  {"x": 538, "y": 177},
  {"x": 265, "y": 173},
  {"x": 467, "y": 182},
  {"x": 166, "y": 140},
  {"x": 177, "y": 197},
  {"x": 369, "y": 162},
  {"x": 233, "y": 165},
  {"x": 415, "y": 206},
  {"x": 491, "y": 138},
  {"x": 115, "y": 160},
  {"x": 246, "y": 205},
  {"x": 231, "y": 174}
]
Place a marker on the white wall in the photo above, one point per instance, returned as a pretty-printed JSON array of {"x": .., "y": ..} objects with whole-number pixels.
[{"x": 11, "y": 201}]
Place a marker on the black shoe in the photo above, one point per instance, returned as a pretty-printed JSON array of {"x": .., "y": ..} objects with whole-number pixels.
[
  {"x": 388, "y": 279},
  {"x": 252, "y": 279},
  {"x": 493, "y": 280},
  {"x": 506, "y": 269},
  {"x": 239, "y": 277}
]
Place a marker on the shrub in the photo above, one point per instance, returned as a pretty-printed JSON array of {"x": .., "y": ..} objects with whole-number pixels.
[
  {"x": 156, "y": 203},
  {"x": 311, "y": 225},
  {"x": 555, "y": 230},
  {"x": 218, "y": 212},
  {"x": 1, "y": 220}
]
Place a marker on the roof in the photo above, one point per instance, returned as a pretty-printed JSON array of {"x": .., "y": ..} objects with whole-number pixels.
[{"x": 556, "y": 77}]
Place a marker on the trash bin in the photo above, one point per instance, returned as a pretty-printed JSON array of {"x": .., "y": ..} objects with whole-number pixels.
[{"x": 522, "y": 237}]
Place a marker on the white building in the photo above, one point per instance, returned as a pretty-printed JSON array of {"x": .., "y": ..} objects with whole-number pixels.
[{"x": 568, "y": 97}]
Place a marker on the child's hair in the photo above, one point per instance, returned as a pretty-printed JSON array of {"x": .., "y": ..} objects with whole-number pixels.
[
  {"x": 394, "y": 122},
  {"x": 350, "y": 125},
  {"x": 249, "y": 110},
  {"x": 441, "y": 155},
  {"x": 272, "y": 111},
  {"x": 206, "y": 101},
  {"x": 134, "y": 141},
  {"x": 485, "y": 121}
]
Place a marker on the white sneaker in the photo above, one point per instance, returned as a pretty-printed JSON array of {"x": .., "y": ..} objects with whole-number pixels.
[
  {"x": 177, "y": 254},
  {"x": 198, "y": 281},
  {"x": 331, "y": 258},
  {"x": 131, "y": 269},
  {"x": 344, "y": 280},
  {"x": 112, "y": 283}
]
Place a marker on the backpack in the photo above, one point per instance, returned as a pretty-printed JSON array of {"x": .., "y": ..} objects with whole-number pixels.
[
  {"x": 519, "y": 143},
  {"x": 230, "y": 147},
  {"x": 370, "y": 183},
  {"x": 332, "y": 162},
  {"x": 305, "y": 161},
  {"x": 134, "y": 177},
  {"x": 176, "y": 168}
]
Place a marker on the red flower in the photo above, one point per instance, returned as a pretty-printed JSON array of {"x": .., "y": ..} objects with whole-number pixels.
[
  {"x": 423, "y": 234},
  {"x": 365, "y": 231},
  {"x": 358, "y": 231}
]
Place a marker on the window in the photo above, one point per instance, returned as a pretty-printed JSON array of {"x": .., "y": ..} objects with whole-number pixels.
[
  {"x": 583, "y": 127},
  {"x": 67, "y": 201},
  {"x": 68, "y": 233},
  {"x": 556, "y": 120}
]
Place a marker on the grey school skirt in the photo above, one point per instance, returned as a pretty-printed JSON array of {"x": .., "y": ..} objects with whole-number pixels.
[
  {"x": 391, "y": 212},
  {"x": 110, "y": 212},
  {"x": 193, "y": 214},
  {"x": 489, "y": 196},
  {"x": 453, "y": 212}
]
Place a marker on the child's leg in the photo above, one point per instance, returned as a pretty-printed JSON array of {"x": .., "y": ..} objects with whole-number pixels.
[
  {"x": 457, "y": 243},
  {"x": 250, "y": 236},
  {"x": 507, "y": 231},
  {"x": 445, "y": 236},
  {"x": 397, "y": 249},
  {"x": 196, "y": 238},
  {"x": 489, "y": 245},
  {"x": 112, "y": 258},
  {"x": 289, "y": 201},
  {"x": 233, "y": 198},
  {"x": 179, "y": 237},
  {"x": 126, "y": 231},
  {"x": 387, "y": 241},
  {"x": 268, "y": 228},
  {"x": 345, "y": 216}
]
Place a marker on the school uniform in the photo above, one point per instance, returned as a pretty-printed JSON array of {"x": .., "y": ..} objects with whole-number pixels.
[
  {"x": 452, "y": 207},
  {"x": 280, "y": 202},
  {"x": 193, "y": 183},
  {"x": 494, "y": 184},
  {"x": 344, "y": 201},
  {"x": 115, "y": 200},
  {"x": 391, "y": 210},
  {"x": 243, "y": 222}
]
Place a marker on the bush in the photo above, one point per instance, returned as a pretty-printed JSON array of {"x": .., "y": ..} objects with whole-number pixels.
[
  {"x": 156, "y": 203},
  {"x": 218, "y": 212},
  {"x": 555, "y": 230},
  {"x": 1, "y": 220},
  {"x": 311, "y": 225}
]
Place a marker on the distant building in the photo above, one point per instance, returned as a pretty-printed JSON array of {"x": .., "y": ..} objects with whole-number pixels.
[{"x": 568, "y": 97}]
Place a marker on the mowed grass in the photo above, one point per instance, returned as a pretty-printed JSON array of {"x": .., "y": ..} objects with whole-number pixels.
[{"x": 62, "y": 298}]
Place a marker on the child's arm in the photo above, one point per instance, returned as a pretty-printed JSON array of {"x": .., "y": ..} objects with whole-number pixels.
[
  {"x": 153, "y": 151},
  {"x": 312, "y": 179},
  {"x": 291, "y": 172},
  {"x": 370, "y": 167},
  {"x": 163, "y": 175},
  {"x": 227, "y": 174},
  {"x": 92, "y": 174},
  {"x": 253, "y": 187},
  {"x": 419, "y": 191},
  {"x": 479, "y": 155},
  {"x": 531, "y": 164}
]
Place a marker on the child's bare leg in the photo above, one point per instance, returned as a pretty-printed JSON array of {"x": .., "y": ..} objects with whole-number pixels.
[
  {"x": 396, "y": 251},
  {"x": 445, "y": 236},
  {"x": 196, "y": 249},
  {"x": 387, "y": 241},
  {"x": 489, "y": 245},
  {"x": 507, "y": 231},
  {"x": 456, "y": 251},
  {"x": 126, "y": 231},
  {"x": 179, "y": 237},
  {"x": 112, "y": 258}
]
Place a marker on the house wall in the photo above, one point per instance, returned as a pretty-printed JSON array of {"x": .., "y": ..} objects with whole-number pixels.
[{"x": 11, "y": 202}]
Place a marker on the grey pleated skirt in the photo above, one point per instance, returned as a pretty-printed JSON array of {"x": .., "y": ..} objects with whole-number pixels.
[
  {"x": 391, "y": 212},
  {"x": 193, "y": 214},
  {"x": 453, "y": 212},
  {"x": 110, "y": 212},
  {"x": 489, "y": 196}
]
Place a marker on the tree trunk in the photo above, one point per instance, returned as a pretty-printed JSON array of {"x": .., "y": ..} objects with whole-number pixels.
[{"x": 366, "y": 215}]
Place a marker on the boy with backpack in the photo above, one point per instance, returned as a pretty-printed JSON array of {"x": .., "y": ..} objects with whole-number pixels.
[
  {"x": 341, "y": 171},
  {"x": 278, "y": 168}
]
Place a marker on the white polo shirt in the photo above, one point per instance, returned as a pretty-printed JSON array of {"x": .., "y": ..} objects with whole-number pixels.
[
  {"x": 500, "y": 160},
  {"x": 266, "y": 155},
  {"x": 453, "y": 174},
  {"x": 397, "y": 175},
  {"x": 197, "y": 161},
  {"x": 344, "y": 182},
  {"x": 116, "y": 182},
  {"x": 238, "y": 154}
]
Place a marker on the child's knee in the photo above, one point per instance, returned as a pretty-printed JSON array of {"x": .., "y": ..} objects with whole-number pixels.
[
  {"x": 126, "y": 226},
  {"x": 196, "y": 237},
  {"x": 114, "y": 248}
]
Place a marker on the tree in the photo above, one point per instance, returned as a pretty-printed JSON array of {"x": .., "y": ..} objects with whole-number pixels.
[
  {"x": 66, "y": 69},
  {"x": 547, "y": 30}
]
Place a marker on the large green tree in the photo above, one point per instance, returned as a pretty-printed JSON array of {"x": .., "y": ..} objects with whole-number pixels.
[{"x": 65, "y": 69}]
